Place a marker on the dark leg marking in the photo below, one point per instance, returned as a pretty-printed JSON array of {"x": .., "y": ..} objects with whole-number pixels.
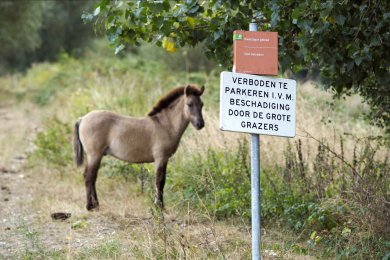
[
  {"x": 90, "y": 176},
  {"x": 160, "y": 183}
]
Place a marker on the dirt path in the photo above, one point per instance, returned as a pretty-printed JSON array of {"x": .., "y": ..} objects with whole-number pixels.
[
  {"x": 17, "y": 127},
  {"x": 26, "y": 229}
]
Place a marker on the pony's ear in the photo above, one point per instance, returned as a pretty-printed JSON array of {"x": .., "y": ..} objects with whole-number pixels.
[
  {"x": 201, "y": 90},
  {"x": 187, "y": 90}
]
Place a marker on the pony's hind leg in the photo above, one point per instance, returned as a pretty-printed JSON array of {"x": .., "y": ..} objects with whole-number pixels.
[{"x": 90, "y": 176}]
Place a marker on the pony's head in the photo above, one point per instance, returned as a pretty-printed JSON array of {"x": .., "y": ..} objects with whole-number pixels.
[{"x": 193, "y": 106}]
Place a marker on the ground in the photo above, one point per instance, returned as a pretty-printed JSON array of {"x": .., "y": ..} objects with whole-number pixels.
[{"x": 126, "y": 227}]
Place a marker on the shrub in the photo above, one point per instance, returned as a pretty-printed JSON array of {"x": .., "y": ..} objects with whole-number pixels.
[
  {"x": 218, "y": 181},
  {"x": 54, "y": 144}
]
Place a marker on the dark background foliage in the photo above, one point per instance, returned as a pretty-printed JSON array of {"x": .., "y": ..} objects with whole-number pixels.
[{"x": 34, "y": 31}]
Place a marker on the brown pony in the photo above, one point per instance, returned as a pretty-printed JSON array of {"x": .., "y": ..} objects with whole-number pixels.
[{"x": 153, "y": 138}]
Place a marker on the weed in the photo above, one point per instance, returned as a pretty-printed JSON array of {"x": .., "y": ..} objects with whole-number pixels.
[
  {"x": 79, "y": 224},
  {"x": 143, "y": 174},
  {"x": 338, "y": 192},
  {"x": 108, "y": 250},
  {"x": 32, "y": 245},
  {"x": 347, "y": 202},
  {"x": 54, "y": 145},
  {"x": 221, "y": 179}
]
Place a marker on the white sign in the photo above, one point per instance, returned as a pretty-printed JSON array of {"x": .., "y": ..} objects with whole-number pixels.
[{"x": 258, "y": 105}]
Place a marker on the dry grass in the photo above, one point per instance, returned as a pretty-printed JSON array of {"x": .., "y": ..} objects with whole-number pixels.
[
  {"x": 128, "y": 219},
  {"x": 127, "y": 225},
  {"x": 314, "y": 115}
]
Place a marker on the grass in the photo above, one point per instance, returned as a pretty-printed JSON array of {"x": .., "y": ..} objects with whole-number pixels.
[{"x": 312, "y": 203}]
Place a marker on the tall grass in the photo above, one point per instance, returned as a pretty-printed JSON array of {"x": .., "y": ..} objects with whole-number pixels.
[{"x": 331, "y": 189}]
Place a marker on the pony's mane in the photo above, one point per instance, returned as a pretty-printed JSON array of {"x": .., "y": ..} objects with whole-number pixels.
[{"x": 171, "y": 96}]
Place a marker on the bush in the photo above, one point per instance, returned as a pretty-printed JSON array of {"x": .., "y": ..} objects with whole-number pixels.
[
  {"x": 218, "y": 181},
  {"x": 341, "y": 204},
  {"x": 345, "y": 201},
  {"x": 54, "y": 144},
  {"x": 141, "y": 173}
]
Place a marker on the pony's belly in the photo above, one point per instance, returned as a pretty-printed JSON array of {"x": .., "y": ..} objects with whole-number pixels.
[
  {"x": 134, "y": 160},
  {"x": 132, "y": 156}
]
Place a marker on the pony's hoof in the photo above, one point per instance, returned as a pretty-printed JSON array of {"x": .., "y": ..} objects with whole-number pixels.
[
  {"x": 159, "y": 204},
  {"x": 91, "y": 207}
]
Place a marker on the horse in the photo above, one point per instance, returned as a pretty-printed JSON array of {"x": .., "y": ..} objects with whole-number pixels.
[{"x": 152, "y": 138}]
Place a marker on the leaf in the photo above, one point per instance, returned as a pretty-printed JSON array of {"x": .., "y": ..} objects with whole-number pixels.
[
  {"x": 340, "y": 19},
  {"x": 79, "y": 224},
  {"x": 164, "y": 42},
  {"x": 191, "y": 21},
  {"x": 155, "y": 6},
  {"x": 217, "y": 35},
  {"x": 346, "y": 232},
  {"x": 97, "y": 11},
  {"x": 274, "y": 19},
  {"x": 358, "y": 60},
  {"x": 168, "y": 44},
  {"x": 170, "y": 47},
  {"x": 386, "y": 257},
  {"x": 87, "y": 17},
  {"x": 194, "y": 9},
  {"x": 176, "y": 25},
  {"x": 119, "y": 48},
  {"x": 296, "y": 13}
]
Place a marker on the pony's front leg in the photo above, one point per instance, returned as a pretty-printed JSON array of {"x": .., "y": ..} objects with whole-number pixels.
[{"x": 161, "y": 170}]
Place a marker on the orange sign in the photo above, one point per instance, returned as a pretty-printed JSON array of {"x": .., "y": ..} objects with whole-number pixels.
[{"x": 256, "y": 52}]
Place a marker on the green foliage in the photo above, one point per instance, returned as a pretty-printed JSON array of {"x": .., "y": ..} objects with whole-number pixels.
[
  {"x": 335, "y": 203},
  {"x": 347, "y": 41},
  {"x": 80, "y": 224},
  {"x": 63, "y": 30},
  {"x": 54, "y": 144},
  {"x": 217, "y": 180},
  {"x": 19, "y": 30},
  {"x": 32, "y": 245},
  {"x": 140, "y": 173},
  {"x": 99, "y": 71},
  {"x": 32, "y": 31},
  {"x": 342, "y": 201},
  {"x": 108, "y": 250}
]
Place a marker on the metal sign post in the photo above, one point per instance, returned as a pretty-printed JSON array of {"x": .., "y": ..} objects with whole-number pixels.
[{"x": 255, "y": 186}]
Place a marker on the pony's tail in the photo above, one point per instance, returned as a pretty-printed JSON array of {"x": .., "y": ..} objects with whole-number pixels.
[{"x": 77, "y": 146}]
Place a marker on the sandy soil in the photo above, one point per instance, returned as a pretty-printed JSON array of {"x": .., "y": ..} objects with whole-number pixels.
[
  {"x": 17, "y": 127},
  {"x": 25, "y": 222}
]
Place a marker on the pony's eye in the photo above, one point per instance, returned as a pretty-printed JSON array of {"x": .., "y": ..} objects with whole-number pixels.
[{"x": 190, "y": 104}]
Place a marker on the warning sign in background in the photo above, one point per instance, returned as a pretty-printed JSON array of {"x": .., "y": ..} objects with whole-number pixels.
[
  {"x": 255, "y": 52},
  {"x": 256, "y": 104}
]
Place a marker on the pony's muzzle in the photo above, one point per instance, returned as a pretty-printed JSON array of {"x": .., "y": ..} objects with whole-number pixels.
[{"x": 199, "y": 124}]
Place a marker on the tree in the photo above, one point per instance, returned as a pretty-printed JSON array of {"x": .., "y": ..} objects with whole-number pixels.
[
  {"x": 63, "y": 29},
  {"x": 33, "y": 31},
  {"x": 348, "y": 41},
  {"x": 20, "y": 23}
]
